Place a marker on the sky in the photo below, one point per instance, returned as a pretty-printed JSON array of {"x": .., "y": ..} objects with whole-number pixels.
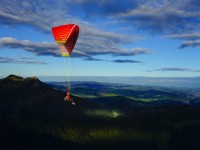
[{"x": 151, "y": 38}]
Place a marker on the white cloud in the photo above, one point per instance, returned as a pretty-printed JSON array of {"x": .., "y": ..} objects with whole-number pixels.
[
  {"x": 51, "y": 49},
  {"x": 185, "y": 36},
  {"x": 43, "y": 15},
  {"x": 191, "y": 43},
  {"x": 176, "y": 69},
  {"x": 12, "y": 60}
]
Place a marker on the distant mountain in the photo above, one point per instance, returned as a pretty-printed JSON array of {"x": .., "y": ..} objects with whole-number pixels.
[
  {"x": 181, "y": 82},
  {"x": 134, "y": 93}
]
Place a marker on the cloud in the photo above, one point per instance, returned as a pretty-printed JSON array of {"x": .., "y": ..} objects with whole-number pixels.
[
  {"x": 43, "y": 15},
  {"x": 104, "y": 7},
  {"x": 100, "y": 43},
  {"x": 192, "y": 43},
  {"x": 27, "y": 58},
  {"x": 163, "y": 16},
  {"x": 44, "y": 48},
  {"x": 115, "y": 61},
  {"x": 40, "y": 49},
  {"x": 51, "y": 49},
  {"x": 93, "y": 59},
  {"x": 11, "y": 60},
  {"x": 190, "y": 36},
  {"x": 176, "y": 69},
  {"x": 126, "y": 61},
  {"x": 102, "y": 47},
  {"x": 156, "y": 15},
  {"x": 191, "y": 39}
]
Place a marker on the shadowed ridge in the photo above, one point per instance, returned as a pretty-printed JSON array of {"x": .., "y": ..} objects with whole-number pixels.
[
  {"x": 35, "y": 98},
  {"x": 19, "y": 78},
  {"x": 12, "y": 82},
  {"x": 14, "y": 77}
]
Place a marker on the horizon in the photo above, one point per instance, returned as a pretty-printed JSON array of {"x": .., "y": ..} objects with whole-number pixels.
[
  {"x": 136, "y": 38},
  {"x": 170, "y": 82}
]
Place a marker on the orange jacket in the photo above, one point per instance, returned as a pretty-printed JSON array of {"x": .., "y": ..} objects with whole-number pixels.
[{"x": 67, "y": 97}]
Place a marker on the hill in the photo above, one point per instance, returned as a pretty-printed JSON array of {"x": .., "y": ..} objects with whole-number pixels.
[
  {"x": 30, "y": 95},
  {"x": 154, "y": 95},
  {"x": 34, "y": 116}
]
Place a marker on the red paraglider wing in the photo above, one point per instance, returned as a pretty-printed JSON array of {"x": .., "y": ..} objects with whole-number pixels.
[{"x": 66, "y": 37}]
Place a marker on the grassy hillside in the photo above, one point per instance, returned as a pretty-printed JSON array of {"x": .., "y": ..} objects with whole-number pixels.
[
  {"x": 93, "y": 90},
  {"x": 34, "y": 116}
]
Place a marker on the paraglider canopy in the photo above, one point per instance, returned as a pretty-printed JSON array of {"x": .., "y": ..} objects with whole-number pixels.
[{"x": 66, "y": 37}]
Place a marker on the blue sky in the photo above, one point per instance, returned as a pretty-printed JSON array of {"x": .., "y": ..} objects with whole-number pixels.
[{"x": 153, "y": 38}]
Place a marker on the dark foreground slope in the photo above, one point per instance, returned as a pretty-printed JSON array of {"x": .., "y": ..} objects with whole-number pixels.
[
  {"x": 30, "y": 95},
  {"x": 34, "y": 116}
]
